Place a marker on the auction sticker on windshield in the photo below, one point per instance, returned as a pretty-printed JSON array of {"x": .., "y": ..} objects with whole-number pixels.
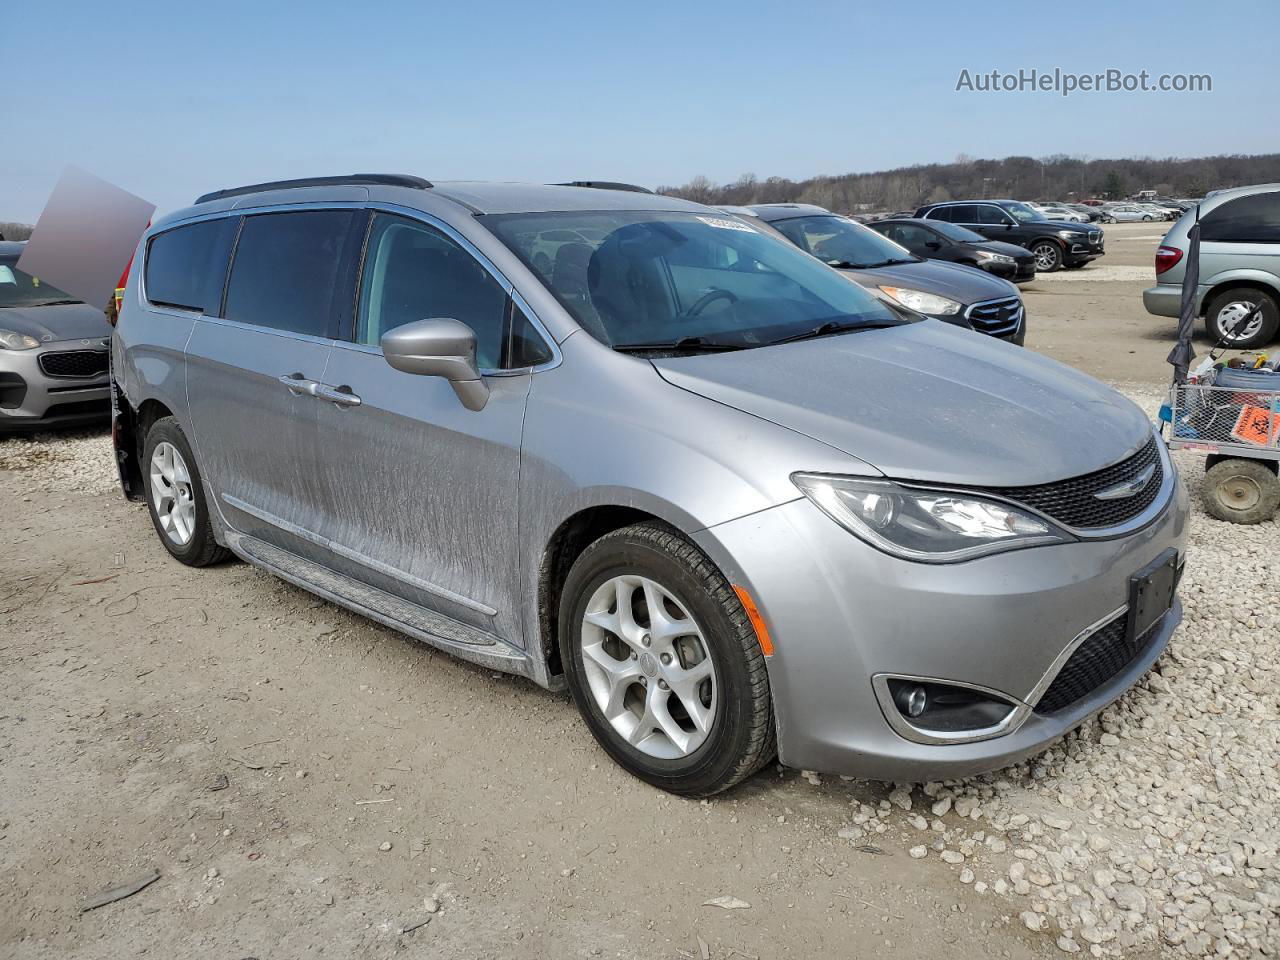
[{"x": 726, "y": 224}]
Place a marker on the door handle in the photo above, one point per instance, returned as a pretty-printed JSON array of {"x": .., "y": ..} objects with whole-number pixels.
[
  {"x": 299, "y": 385},
  {"x": 342, "y": 396}
]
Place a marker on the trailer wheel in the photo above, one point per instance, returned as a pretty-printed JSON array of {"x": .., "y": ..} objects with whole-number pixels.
[{"x": 1241, "y": 491}]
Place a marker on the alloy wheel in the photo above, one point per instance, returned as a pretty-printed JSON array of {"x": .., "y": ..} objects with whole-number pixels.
[
  {"x": 1047, "y": 256},
  {"x": 172, "y": 496},
  {"x": 649, "y": 667}
]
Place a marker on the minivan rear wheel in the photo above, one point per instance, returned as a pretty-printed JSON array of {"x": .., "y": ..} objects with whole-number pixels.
[
  {"x": 175, "y": 496},
  {"x": 1048, "y": 256},
  {"x": 1226, "y": 310},
  {"x": 663, "y": 663}
]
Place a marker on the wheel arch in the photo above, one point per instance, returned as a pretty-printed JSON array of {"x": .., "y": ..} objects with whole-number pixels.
[
  {"x": 565, "y": 544},
  {"x": 1251, "y": 280}
]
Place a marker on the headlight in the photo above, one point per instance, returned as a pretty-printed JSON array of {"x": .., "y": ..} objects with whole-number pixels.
[
  {"x": 931, "y": 526},
  {"x": 9, "y": 340},
  {"x": 922, "y": 302},
  {"x": 1071, "y": 235},
  {"x": 994, "y": 257}
]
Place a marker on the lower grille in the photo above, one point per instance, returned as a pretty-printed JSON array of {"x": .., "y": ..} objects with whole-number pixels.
[
  {"x": 996, "y": 316},
  {"x": 74, "y": 363},
  {"x": 1102, "y": 657},
  {"x": 1073, "y": 502}
]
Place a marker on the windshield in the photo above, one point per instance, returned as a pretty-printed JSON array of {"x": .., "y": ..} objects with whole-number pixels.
[
  {"x": 1021, "y": 212},
  {"x": 836, "y": 240},
  {"x": 953, "y": 231},
  {"x": 18, "y": 289},
  {"x": 683, "y": 279}
]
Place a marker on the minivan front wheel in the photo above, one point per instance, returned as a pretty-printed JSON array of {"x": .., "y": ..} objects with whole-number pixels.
[
  {"x": 175, "y": 496},
  {"x": 663, "y": 662},
  {"x": 1225, "y": 318},
  {"x": 1048, "y": 256}
]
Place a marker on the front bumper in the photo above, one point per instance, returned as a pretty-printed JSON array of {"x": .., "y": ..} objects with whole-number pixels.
[
  {"x": 32, "y": 399},
  {"x": 841, "y": 612}
]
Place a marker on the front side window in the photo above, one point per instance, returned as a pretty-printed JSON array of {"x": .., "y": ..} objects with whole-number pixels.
[
  {"x": 286, "y": 270},
  {"x": 959, "y": 234},
  {"x": 637, "y": 278},
  {"x": 842, "y": 242},
  {"x": 1254, "y": 219},
  {"x": 186, "y": 266},
  {"x": 414, "y": 272},
  {"x": 1021, "y": 212},
  {"x": 20, "y": 289},
  {"x": 991, "y": 215},
  {"x": 915, "y": 239}
]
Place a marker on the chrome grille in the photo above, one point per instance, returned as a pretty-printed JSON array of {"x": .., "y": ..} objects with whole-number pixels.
[
  {"x": 1073, "y": 502},
  {"x": 996, "y": 317}
]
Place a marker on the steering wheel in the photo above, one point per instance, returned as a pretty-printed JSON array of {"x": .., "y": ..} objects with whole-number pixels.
[{"x": 708, "y": 298}]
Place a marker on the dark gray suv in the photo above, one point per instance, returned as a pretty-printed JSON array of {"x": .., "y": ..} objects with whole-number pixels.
[{"x": 953, "y": 293}]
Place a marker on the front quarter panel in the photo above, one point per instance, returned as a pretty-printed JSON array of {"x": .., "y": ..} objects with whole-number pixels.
[{"x": 604, "y": 429}]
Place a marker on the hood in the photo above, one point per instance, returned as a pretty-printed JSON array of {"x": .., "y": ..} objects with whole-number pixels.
[
  {"x": 71, "y": 321},
  {"x": 999, "y": 246},
  {"x": 952, "y": 280},
  {"x": 927, "y": 402}
]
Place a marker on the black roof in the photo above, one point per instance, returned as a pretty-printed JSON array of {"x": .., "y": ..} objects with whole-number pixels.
[
  {"x": 354, "y": 179},
  {"x": 603, "y": 185}
]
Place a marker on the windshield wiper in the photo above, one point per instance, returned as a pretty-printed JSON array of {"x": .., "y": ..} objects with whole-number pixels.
[
  {"x": 845, "y": 264},
  {"x": 833, "y": 327},
  {"x": 887, "y": 263},
  {"x": 689, "y": 344},
  {"x": 54, "y": 303}
]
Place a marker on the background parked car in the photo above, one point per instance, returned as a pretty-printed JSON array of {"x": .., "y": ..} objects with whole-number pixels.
[
  {"x": 1054, "y": 243},
  {"x": 1063, "y": 213},
  {"x": 1128, "y": 213},
  {"x": 53, "y": 352},
  {"x": 939, "y": 240},
  {"x": 1091, "y": 214},
  {"x": 1239, "y": 265},
  {"x": 948, "y": 292}
]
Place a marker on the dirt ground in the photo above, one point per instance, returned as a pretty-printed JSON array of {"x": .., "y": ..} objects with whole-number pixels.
[{"x": 305, "y": 780}]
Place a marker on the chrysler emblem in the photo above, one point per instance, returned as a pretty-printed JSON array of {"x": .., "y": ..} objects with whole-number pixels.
[{"x": 1128, "y": 488}]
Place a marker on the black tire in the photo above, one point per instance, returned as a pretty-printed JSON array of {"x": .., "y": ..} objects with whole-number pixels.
[
  {"x": 1049, "y": 253},
  {"x": 202, "y": 549},
  {"x": 1216, "y": 323},
  {"x": 1241, "y": 491},
  {"x": 742, "y": 736}
]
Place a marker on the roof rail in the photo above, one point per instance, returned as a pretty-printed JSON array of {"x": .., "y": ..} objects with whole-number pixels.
[
  {"x": 605, "y": 185},
  {"x": 354, "y": 179}
]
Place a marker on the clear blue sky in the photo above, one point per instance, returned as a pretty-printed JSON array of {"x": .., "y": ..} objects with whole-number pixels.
[{"x": 169, "y": 99}]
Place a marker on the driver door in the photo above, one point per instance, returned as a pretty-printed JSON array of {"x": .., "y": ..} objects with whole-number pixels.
[{"x": 423, "y": 491}]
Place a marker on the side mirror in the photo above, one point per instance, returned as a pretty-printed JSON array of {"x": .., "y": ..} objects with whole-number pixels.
[{"x": 439, "y": 348}]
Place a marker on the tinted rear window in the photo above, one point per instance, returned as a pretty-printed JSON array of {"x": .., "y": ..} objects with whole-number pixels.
[
  {"x": 1254, "y": 219},
  {"x": 186, "y": 266},
  {"x": 286, "y": 270}
]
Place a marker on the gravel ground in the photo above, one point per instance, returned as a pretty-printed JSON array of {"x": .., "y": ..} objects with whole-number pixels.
[
  {"x": 1151, "y": 830},
  {"x": 1156, "y": 822}
]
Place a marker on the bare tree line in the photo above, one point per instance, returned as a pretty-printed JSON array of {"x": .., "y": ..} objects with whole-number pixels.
[{"x": 1057, "y": 177}]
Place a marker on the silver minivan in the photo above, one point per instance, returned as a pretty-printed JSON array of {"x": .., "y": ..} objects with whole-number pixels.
[
  {"x": 628, "y": 445},
  {"x": 1239, "y": 266}
]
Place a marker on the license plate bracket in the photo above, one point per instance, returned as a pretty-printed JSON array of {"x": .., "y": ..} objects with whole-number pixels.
[{"x": 1151, "y": 593}]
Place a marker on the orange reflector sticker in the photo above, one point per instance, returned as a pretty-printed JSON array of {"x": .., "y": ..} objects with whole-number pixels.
[{"x": 757, "y": 621}]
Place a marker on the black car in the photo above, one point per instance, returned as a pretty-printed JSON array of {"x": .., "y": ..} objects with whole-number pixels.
[
  {"x": 939, "y": 240},
  {"x": 1055, "y": 243},
  {"x": 945, "y": 291}
]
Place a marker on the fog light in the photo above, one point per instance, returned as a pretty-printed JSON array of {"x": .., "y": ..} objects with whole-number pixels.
[
  {"x": 937, "y": 711},
  {"x": 911, "y": 700}
]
